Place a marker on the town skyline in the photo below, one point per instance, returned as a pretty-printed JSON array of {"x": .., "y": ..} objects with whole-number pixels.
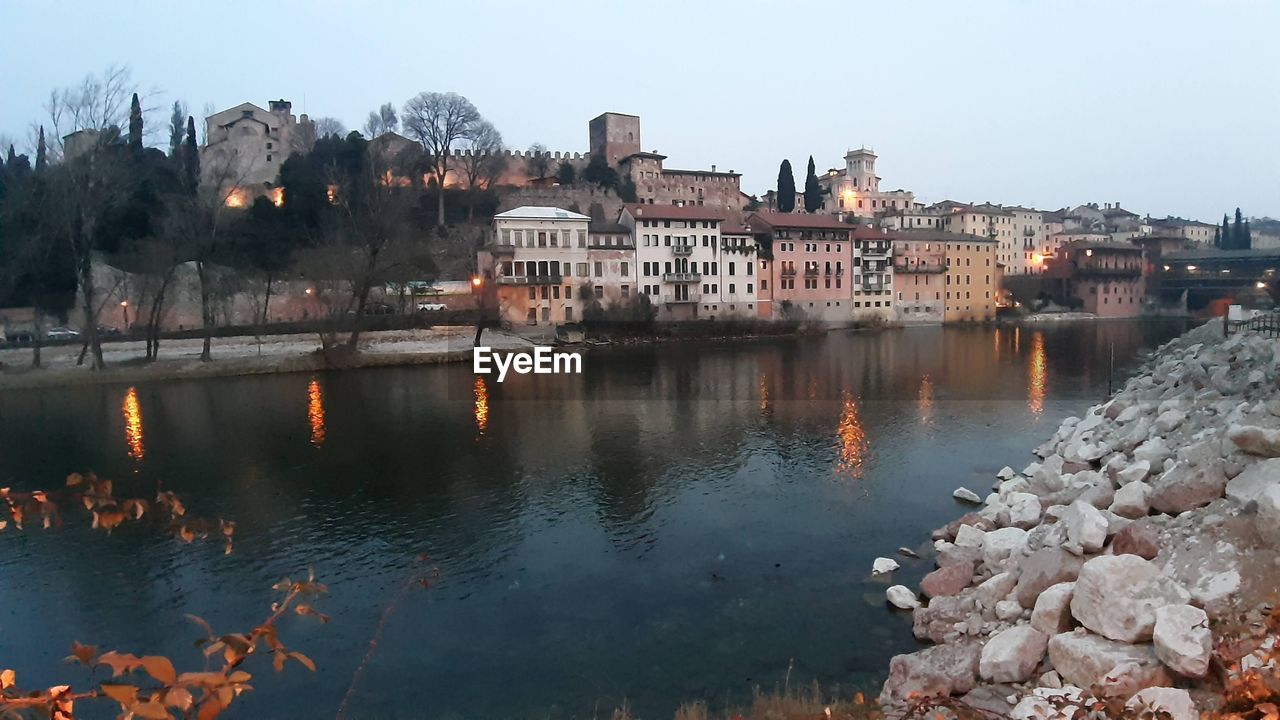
[{"x": 1063, "y": 101}]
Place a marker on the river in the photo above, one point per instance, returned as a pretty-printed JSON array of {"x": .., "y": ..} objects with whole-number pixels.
[{"x": 682, "y": 521}]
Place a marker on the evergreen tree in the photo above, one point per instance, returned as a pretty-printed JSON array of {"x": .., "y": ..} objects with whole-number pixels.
[
  {"x": 13, "y": 156},
  {"x": 41, "y": 152},
  {"x": 566, "y": 174},
  {"x": 177, "y": 128},
  {"x": 191, "y": 157},
  {"x": 786, "y": 187},
  {"x": 1238, "y": 239},
  {"x": 135, "y": 125},
  {"x": 1225, "y": 243},
  {"x": 1246, "y": 237},
  {"x": 812, "y": 191},
  {"x": 1217, "y": 237}
]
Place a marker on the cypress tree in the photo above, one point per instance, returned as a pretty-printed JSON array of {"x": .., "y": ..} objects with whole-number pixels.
[
  {"x": 41, "y": 151},
  {"x": 135, "y": 125},
  {"x": 191, "y": 157},
  {"x": 1246, "y": 238},
  {"x": 13, "y": 156},
  {"x": 812, "y": 191},
  {"x": 786, "y": 187},
  {"x": 1238, "y": 232},
  {"x": 1217, "y": 237},
  {"x": 176, "y": 127},
  {"x": 1226, "y": 233}
]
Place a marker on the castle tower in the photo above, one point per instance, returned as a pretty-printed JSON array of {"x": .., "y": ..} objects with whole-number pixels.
[
  {"x": 860, "y": 168},
  {"x": 614, "y": 135}
]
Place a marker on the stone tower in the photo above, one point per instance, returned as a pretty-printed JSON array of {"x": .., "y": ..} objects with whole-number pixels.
[
  {"x": 860, "y": 168},
  {"x": 615, "y": 136}
]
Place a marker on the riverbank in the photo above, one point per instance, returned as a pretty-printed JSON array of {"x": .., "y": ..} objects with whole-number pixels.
[
  {"x": 180, "y": 359},
  {"x": 1134, "y": 562}
]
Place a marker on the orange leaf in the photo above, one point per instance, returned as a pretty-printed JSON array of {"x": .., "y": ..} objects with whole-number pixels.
[
  {"x": 7, "y": 679},
  {"x": 83, "y": 653},
  {"x": 126, "y": 695},
  {"x": 306, "y": 661},
  {"x": 159, "y": 667},
  {"x": 178, "y": 697},
  {"x": 239, "y": 676},
  {"x": 120, "y": 663},
  {"x": 74, "y": 479},
  {"x": 151, "y": 711},
  {"x": 210, "y": 708}
]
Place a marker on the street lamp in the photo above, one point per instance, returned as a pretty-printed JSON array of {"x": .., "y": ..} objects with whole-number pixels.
[
  {"x": 477, "y": 288},
  {"x": 124, "y": 308}
]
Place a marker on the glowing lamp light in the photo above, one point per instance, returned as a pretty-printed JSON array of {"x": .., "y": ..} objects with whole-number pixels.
[
  {"x": 1191, "y": 268},
  {"x": 476, "y": 281},
  {"x": 308, "y": 291},
  {"x": 1167, "y": 268},
  {"x": 1260, "y": 285},
  {"x": 124, "y": 303}
]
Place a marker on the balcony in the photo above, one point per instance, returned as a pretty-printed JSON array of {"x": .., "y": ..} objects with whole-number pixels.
[
  {"x": 919, "y": 268},
  {"x": 874, "y": 287},
  {"x": 498, "y": 249},
  {"x": 681, "y": 249},
  {"x": 877, "y": 248},
  {"x": 682, "y": 277},
  {"x": 837, "y": 272},
  {"x": 671, "y": 299},
  {"x": 529, "y": 280},
  {"x": 788, "y": 270},
  {"x": 1087, "y": 271}
]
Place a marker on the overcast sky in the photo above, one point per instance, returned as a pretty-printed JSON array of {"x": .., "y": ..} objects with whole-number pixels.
[{"x": 1166, "y": 106}]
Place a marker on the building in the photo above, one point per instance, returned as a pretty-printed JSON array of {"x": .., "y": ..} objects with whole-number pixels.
[
  {"x": 678, "y": 253},
  {"x": 738, "y": 278},
  {"x": 538, "y": 262},
  {"x": 919, "y": 275},
  {"x": 1199, "y": 233},
  {"x": 245, "y": 146},
  {"x": 1100, "y": 277},
  {"x": 616, "y": 137},
  {"x": 972, "y": 281},
  {"x": 855, "y": 190},
  {"x": 917, "y": 217},
  {"x": 1025, "y": 242},
  {"x": 814, "y": 269},
  {"x": 611, "y": 263}
]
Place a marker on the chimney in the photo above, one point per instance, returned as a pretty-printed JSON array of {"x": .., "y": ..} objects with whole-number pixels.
[{"x": 713, "y": 167}]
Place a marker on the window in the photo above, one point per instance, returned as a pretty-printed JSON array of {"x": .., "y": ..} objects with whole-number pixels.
[
  {"x": 568, "y": 313},
  {"x": 626, "y": 291},
  {"x": 599, "y": 268},
  {"x": 555, "y": 292},
  {"x": 599, "y": 291},
  {"x": 533, "y": 294},
  {"x": 582, "y": 269},
  {"x": 625, "y": 269}
]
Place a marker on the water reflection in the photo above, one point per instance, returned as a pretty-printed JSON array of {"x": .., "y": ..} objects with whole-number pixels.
[
  {"x": 766, "y": 406},
  {"x": 133, "y": 423},
  {"x": 1037, "y": 372},
  {"x": 853, "y": 438},
  {"x": 482, "y": 404},
  {"x": 315, "y": 412},
  {"x": 924, "y": 399}
]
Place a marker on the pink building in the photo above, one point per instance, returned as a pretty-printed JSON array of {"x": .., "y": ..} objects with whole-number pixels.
[
  {"x": 1103, "y": 278},
  {"x": 808, "y": 267}
]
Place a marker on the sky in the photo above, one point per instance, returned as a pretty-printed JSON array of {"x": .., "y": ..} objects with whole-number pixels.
[{"x": 1164, "y": 106}]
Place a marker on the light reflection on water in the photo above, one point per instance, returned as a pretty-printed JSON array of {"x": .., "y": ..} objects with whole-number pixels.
[{"x": 671, "y": 525}]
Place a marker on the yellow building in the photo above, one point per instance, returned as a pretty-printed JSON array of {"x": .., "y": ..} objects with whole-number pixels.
[{"x": 972, "y": 278}]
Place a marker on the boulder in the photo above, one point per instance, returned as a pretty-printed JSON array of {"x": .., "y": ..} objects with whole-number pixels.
[
  {"x": 1186, "y": 487},
  {"x": 1043, "y": 702},
  {"x": 957, "y": 554},
  {"x": 995, "y": 588},
  {"x": 964, "y": 493},
  {"x": 937, "y": 671},
  {"x": 1006, "y": 473},
  {"x": 970, "y": 536},
  {"x": 1153, "y": 451},
  {"x": 1116, "y": 596},
  {"x": 1086, "y": 527},
  {"x": 883, "y": 565},
  {"x": 1084, "y": 660},
  {"x": 949, "y": 580},
  {"x": 998, "y": 545},
  {"x": 1052, "y": 613},
  {"x": 1250, "y": 484},
  {"x": 1130, "y": 500},
  {"x": 1139, "y": 539},
  {"x": 901, "y": 597},
  {"x": 1182, "y": 639},
  {"x": 1267, "y": 520},
  {"x": 1024, "y": 510},
  {"x": 1168, "y": 421},
  {"x": 1133, "y": 472},
  {"x": 1008, "y": 610},
  {"x": 939, "y": 618},
  {"x": 1012, "y": 655},
  {"x": 1174, "y": 701},
  {"x": 1044, "y": 568}
]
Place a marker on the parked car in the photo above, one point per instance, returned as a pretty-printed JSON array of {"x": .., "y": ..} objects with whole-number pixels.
[
  {"x": 379, "y": 308},
  {"x": 108, "y": 331},
  {"x": 61, "y": 333},
  {"x": 431, "y": 307}
]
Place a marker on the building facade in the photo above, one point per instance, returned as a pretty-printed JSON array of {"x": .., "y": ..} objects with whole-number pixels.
[
  {"x": 538, "y": 262},
  {"x": 246, "y": 145},
  {"x": 855, "y": 190},
  {"x": 919, "y": 275},
  {"x": 678, "y": 253},
  {"x": 738, "y": 277},
  {"x": 1102, "y": 277}
]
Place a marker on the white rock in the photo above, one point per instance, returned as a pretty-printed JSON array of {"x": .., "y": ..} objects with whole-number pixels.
[
  {"x": 1182, "y": 639},
  {"x": 1136, "y": 471},
  {"x": 1052, "y": 613},
  {"x": 1008, "y": 610},
  {"x": 901, "y": 597},
  {"x": 995, "y": 588},
  {"x": 1024, "y": 509},
  {"x": 883, "y": 565},
  {"x": 1250, "y": 484},
  {"x": 1012, "y": 655},
  {"x": 1085, "y": 660},
  {"x": 1153, "y": 451},
  {"x": 1086, "y": 527},
  {"x": 970, "y": 536},
  {"x": 1168, "y": 421},
  {"x": 1006, "y": 473},
  {"x": 1042, "y": 703},
  {"x": 1175, "y": 701},
  {"x": 964, "y": 493},
  {"x": 998, "y": 545},
  {"x": 1268, "y": 518},
  {"x": 1116, "y": 596},
  {"x": 1131, "y": 500}
]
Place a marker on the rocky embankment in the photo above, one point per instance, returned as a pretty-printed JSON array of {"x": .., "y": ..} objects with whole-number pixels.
[{"x": 1119, "y": 563}]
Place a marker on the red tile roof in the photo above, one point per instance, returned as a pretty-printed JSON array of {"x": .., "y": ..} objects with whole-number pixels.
[{"x": 797, "y": 220}]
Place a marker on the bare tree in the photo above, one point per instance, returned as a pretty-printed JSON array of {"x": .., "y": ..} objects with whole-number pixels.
[
  {"x": 98, "y": 102},
  {"x": 539, "y": 162},
  {"x": 439, "y": 121},
  {"x": 326, "y": 126},
  {"x": 485, "y": 161},
  {"x": 383, "y": 120}
]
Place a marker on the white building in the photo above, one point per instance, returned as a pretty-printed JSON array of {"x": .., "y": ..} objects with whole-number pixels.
[
  {"x": 539, "y": 264},
  {"x": 856, "y": 189},
  {"x": 738, "y": 277},
  {"x": 678, "y": 251},
  {"x": 245, "y": 146}
]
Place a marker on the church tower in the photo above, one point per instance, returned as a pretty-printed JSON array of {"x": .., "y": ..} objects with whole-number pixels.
[{"x": 860, "y": 169}]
